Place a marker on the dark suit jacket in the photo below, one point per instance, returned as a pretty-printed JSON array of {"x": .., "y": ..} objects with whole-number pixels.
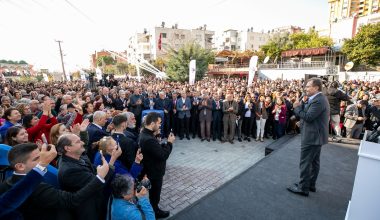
[
  {"x": 17, "y": 194},
  {"x": 106, "y": 103},
  {"x": 314, "y": 121},
  {"x": 45, "y": 202},
  {"x": 73, "y": 175},
  {"x": 217, "y": 114},
  {"x": 94, "y": 135},
  {"x": 163, "y": 104},
  {"x": 129, "y": 148},
  {"x": 155, "y": 155},
  {"x": 120, "y": 104}
]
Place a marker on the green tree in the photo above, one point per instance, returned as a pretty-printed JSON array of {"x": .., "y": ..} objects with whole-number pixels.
[
  {"x": 311, "y": 39},
  {"x": 285, "y": 41},
  {"x": 278, "y": 43},
  {"x": 178, "y": 62},
  {"x": 364, "y": 48},
  {"x": 22, "y": 62},
  {"x": 121, "y": 68},
  {"x": 107, "y": 60}
]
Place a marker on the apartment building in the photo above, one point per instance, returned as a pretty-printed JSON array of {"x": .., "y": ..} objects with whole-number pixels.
[
  {"x": 241, "y": 40},
  {"x": 341, "y": 9}
]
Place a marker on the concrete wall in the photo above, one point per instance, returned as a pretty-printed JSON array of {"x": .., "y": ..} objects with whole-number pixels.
[
  {"x": 367, "y": 76},
  {"x": 289, "y": 74}
]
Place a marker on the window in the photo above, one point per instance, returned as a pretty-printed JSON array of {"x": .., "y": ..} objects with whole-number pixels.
[
  {"x": 233, "y": 47},
  {"x": 163, "y": 35},
  {"x": 182, "y": 36},
  {"x": 176, "y": 36}
]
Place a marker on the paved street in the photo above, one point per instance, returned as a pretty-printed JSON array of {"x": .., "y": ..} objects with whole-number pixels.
[{"x": 196, "y": 168}]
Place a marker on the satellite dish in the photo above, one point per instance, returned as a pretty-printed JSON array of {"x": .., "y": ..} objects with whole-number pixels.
[
  {"x": 266, "y": 59},
  {"x": 349, "y": 66}
]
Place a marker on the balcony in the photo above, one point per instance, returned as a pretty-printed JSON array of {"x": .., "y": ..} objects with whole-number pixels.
[
  {"x": 297, "y": 65},
  {"x": 228, "y": 69}
]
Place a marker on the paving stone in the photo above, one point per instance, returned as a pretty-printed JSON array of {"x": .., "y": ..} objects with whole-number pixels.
[{"x": 196, "y": 168}]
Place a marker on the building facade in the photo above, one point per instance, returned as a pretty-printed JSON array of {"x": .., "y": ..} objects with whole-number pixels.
[
  {"x": 341, "y": 9},
  {"x": 241, "y": 40},
  {"x": 347, "y": 16}
]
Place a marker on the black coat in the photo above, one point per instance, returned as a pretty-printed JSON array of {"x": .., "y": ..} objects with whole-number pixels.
[
  {"x": 120, "y": 104},
  {"x": 129, "y": 148},
  {"x": 335, "y": 96},
  {"x": 106, "y": 103},
  {"x": 73, "y": 175},
  {"x": 155, "y": 154},
  {"x": 47, "y": 202},
  {"x": 94, "y": 135}
]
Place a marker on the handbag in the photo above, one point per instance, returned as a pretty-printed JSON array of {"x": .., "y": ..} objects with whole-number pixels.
[{"x": 349, "y": 123}]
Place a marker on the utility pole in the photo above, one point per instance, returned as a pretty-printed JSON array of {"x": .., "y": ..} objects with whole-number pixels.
[{"x": 60, "y": 52}]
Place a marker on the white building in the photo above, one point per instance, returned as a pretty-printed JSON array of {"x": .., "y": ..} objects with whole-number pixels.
[
  {"x": 241, "y": 40},
  {"x": 175, "y": 38},
  {"x": 139, "y": 45},
  {"x": 347, "y": 28}
]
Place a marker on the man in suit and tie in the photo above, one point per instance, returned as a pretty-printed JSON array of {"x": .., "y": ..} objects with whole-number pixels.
[
  {"x": 164, "y": 104},
  {"x": 314, "y": 133},
  {"x": 107, "y": 100},
  {"x": 183, "y": 109},
  {"x": 217, "y": 115},
  {"x": 174, "y": 124},
  {"x": 230, "y": 109},
  {"x": 96, "y": 131},
  {"x": 121, "y": 102}
]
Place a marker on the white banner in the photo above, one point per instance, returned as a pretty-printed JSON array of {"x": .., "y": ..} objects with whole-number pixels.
[
  {"x": 252, "y": 69},
  {"x": 98, "y": 73},
  {"x": 192, "y": 70},
  {"x": 46, "y": 78}
]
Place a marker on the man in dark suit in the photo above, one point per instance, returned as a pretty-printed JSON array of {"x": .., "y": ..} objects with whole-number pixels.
[
  {"x": 164, "y": 104},
  {"x": 76, "y": 170},
  {"x": 194, "y": 120},
  {"x": 183, "y": 109},
  {"x": 121, "y": 102},
  {"x": 96, "y": 131},
  {"x": 46, "y": 202},
  {"x": 205, "y": 117},
  {"x": 217, "y": 115},
  {"x": 107, "y": 100},
  {"x": 136, "y": 105},
  {"x": 314, "y": 117},
  {"x": 149, "y": 102},
  {"x": 155, "y": 156}
]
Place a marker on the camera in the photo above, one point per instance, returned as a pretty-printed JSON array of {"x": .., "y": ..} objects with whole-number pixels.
[{"x": 143, "y": 183}]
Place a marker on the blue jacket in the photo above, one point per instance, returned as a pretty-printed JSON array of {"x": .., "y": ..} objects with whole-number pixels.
[
  {"x": 181, "y": 113},
  {"x": 122, "y": 209},
  {"x": 4, "y": 129},
  {"x": 50, "y": 177},
  {"x": 17, "y": 195},
  {"x": 119, "y": 167}
]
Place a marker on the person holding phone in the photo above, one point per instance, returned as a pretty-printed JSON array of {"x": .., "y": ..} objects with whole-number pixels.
[
  {"x": 155, "y": 156},
  {"x": 111, "y": 151},
  {"x": 24, "y": 158}
]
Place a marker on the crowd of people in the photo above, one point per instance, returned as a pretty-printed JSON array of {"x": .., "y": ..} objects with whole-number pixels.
[{"x": 107, "y": 143}]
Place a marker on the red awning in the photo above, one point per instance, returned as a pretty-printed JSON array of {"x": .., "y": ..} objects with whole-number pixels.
[{"x": 305, "y": 52}]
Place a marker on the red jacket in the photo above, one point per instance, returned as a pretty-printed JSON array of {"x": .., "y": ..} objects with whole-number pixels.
[{"x": 35, "y": 132}]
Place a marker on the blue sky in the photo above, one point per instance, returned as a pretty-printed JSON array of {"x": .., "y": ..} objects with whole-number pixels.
[{"x": 29, "y": 27}]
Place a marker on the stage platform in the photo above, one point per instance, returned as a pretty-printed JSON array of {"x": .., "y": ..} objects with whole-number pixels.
[{"x": 260, "y": 192}]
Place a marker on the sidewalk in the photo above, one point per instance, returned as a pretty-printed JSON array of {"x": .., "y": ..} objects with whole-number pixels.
[{"x": 197, "y": 168}]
